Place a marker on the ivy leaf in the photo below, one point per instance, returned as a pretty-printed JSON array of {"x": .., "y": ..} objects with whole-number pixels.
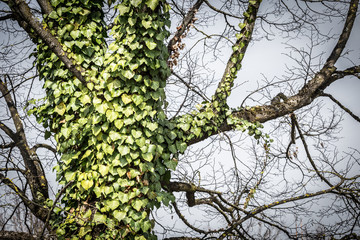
[
  {"x": 76, "y": 34},
  {"x": 147, "y": 156},
  {"x": 119, "y": 123},
  {"x": 137, "y": 204},
  {"x": 152, "y": 4},
  {"x": 66, "y": 132},
  {"x": 111, "y": 115},
  {"x": 135, "y": 3},
  {"x": 123, "y": 150},
  {"x": 181, "y": 146},
  {"x": 128, "y": 74},
  {"x": 100, "y": 218},
  {"x": 84, "y": 99},
  {"x": 171, "y": 164},
  {"x": 146, "y": 225},
  {"x": 137, "y": 99},
  {"x": 119, "y": 215},
  {"x": 184, "y": 126},
  {"x": 151, "y": 45},
  {"x": 196, "y": 131},
  {"x": 122, "y": 9},
  {"x": 114, "y": 135},
  {"x": 146, "y": 24},
  {"x": 123, "y": 197},
  {"x": 113, "y": 204},
  {"x": 69, "y": 176},
  {"x": 152, "y": 126},
  {"x": 86, "y": 184},
  {"x": 121, "y": 171},
  {"x": 61, "y": 108},
  {"x": 101, "y": 108},
  {"x": 172, "y": 135},
  {"x": 104, "y": 170},
  {"x": 126, "y": 98},
  {"x": 136, "y": 133},
  {"x": 53, "y": 15},
  {"x": 152, "y": 148},
  {"x": 47, "y": 134}
]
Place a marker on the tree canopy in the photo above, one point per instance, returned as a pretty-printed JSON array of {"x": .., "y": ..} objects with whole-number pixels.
[{"x": 135, "y": 101}]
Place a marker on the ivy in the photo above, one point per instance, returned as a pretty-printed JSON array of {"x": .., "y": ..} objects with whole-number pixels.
[{"x": 116, "y": 144}]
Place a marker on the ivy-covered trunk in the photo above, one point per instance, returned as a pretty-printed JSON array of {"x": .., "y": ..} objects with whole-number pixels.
[{"x": 116, "y": 143}]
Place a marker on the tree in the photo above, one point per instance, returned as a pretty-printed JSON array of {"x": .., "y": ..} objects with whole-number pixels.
[{"x": 106, "y": 68}]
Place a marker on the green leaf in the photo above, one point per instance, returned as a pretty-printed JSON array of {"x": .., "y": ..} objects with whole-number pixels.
[
  {"x": 128, "y": 74},
  {"x": 47, "y": 134},
  {"x": 96, "y": 130},
  {"x": 151, "y": 45},
  {"x": 111, "y": 115},
  {"x": 196, "y": 131},
  {"x": 147, "y": 156},
  {"x": 136, "y": 133},
  {"x": 121, "y": 171},
  {"x": 76, "y": 34},
  {"x": 146, "y": 225},
  {"x": 114, "y": 135},
  {"x": 181, "y": 147},
  {"x": 104, "y": 170},
  {"x": 137, "y": 99},
  {"x": 137, "y": 204},
  {"x": 140, "y": 142},
  {"x": 122, "y": 9},
  {"x": 123, "y": 150},
  {"x": 152, "y": 4},
  {"x": 86, "y": 184},
  {"x": 123, "y": 197},
  {"x": 101, "y": 108},
  {"x": 119, "y": 123},
  {"x": 135, "y": 3},
  {"x": 172, "y": 135},
  {"x": 99, "y": 218},
  {"x": 60, "y": 108},
  {"x": 126, "y": 98},
  {"x": 172, "y": 148},
  {"x": 152, "y": 148},
  {"x": 184, "y": 126},
  {"x": 113, "y": 204},
  {"x": 119, "y": 215},
  {"x": 69, "y": 176},
  {"x": 86, "y": 154},
  {"x": 171, "y": 164},
  {"x": 66, "y": 132},
  {"x": 146, "y": 24},
  {"x": 128, "y": 111},
  {"x": 242, "y": 25},
  {"x": 152, "y": 126},
  {"x": 53, "y": 15},
  {"x": 84, "y": 99}
]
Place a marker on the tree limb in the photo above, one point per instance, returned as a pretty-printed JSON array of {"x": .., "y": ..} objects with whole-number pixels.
[
  {"x": 184, "y": 25},
  {"x": 341, "y": 106},
  {"x": 234, "y": 63},
  {"x": 45, "y": 6},
  {"x": 23, "y": 10},
  {"x": 43, "y": 145},
  {"x": 35, "y": 174},
  {"x": 305, "y": 96}
]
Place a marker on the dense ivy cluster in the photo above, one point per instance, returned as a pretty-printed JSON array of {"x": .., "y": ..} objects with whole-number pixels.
[{"x": 115, "y": 141}]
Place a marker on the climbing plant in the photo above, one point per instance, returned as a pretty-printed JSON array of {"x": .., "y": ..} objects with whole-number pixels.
[{"x": 117, "y": 146}]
